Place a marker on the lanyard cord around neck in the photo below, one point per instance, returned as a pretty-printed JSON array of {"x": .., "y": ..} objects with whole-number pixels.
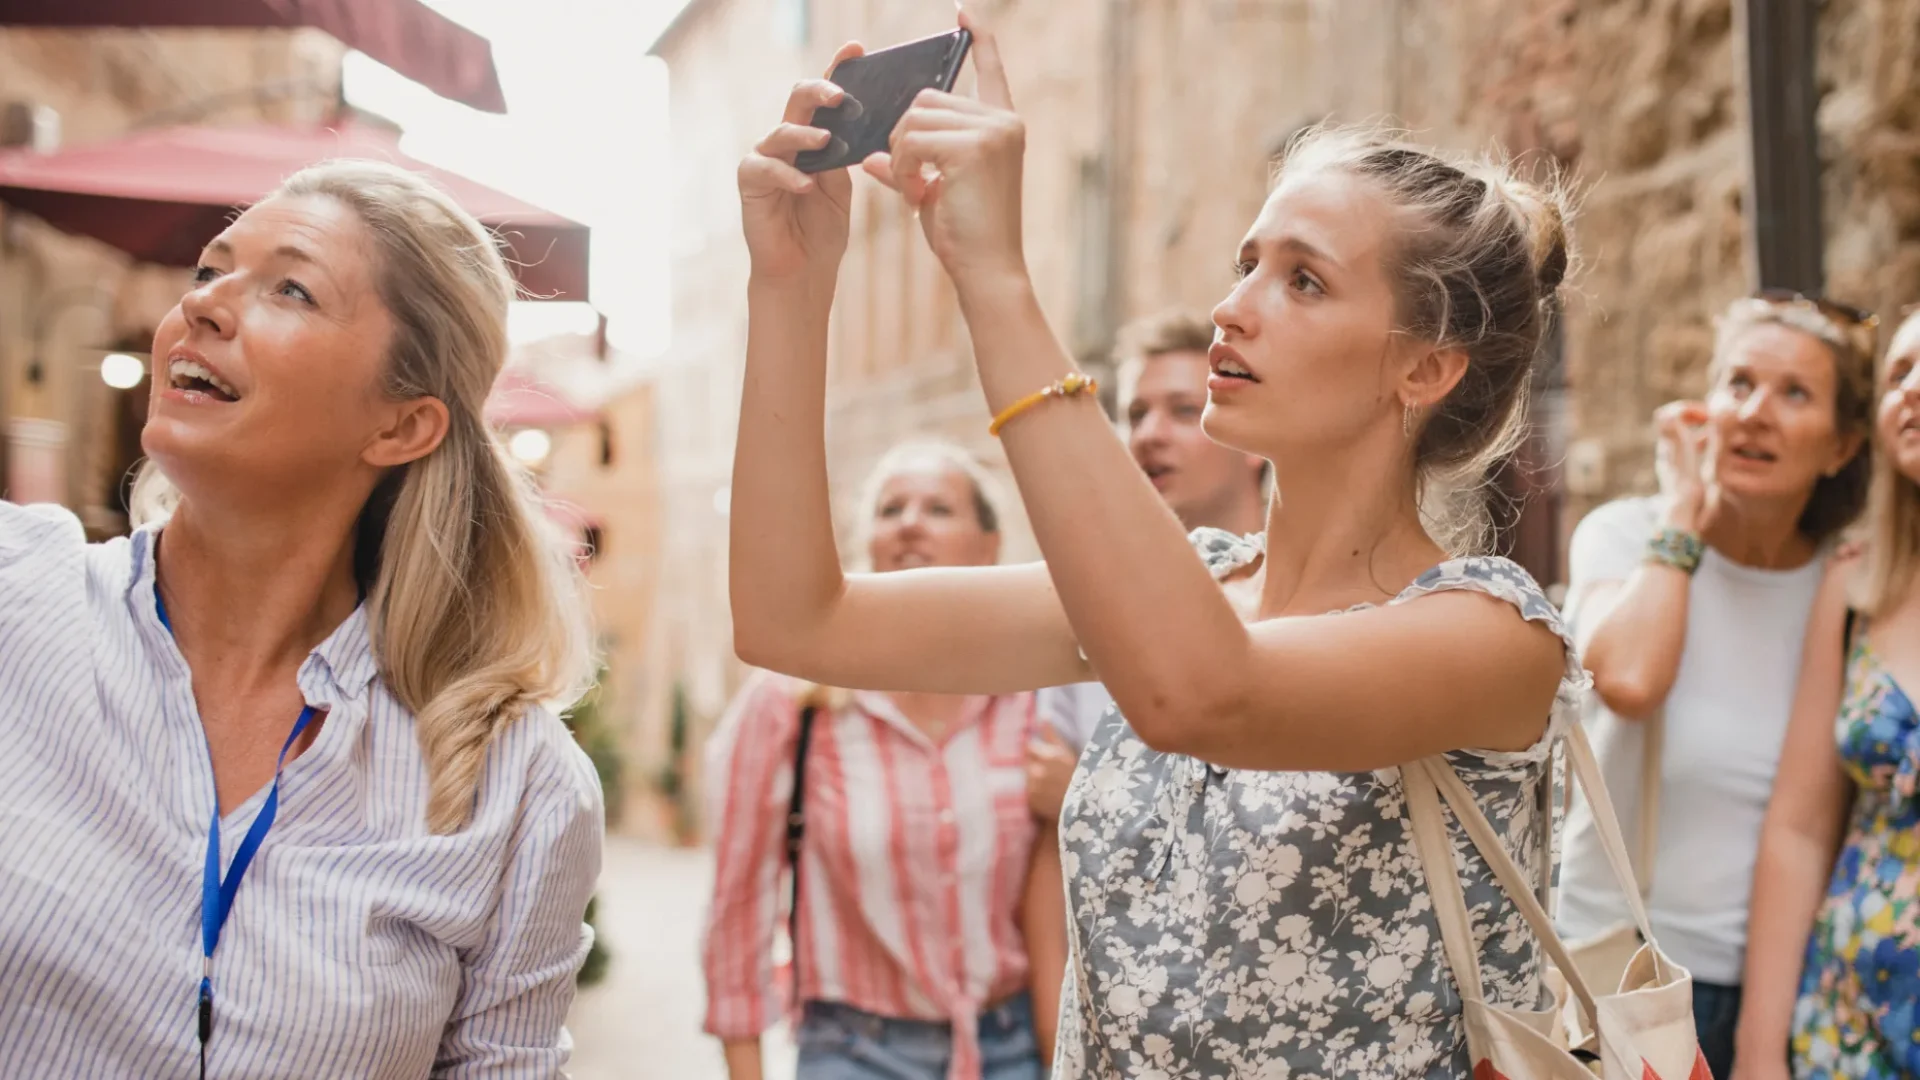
[{"x": 216, "y": 894}]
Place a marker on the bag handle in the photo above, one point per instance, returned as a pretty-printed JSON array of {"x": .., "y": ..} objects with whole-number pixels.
[
  {"x": 1593, "y": 787},
  {"x": 1430, "y": 779},
  {"x": 1428, "y": 782},
  {"x": 1653, "y": 738},
  {"x": 1443, "y": 882}
]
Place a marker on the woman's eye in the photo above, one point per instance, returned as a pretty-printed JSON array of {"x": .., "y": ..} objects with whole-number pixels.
[
  {"x": 1305, "y": 282},
  {"x": 1798, "y": 393},
  {"x": 204, "y": 274},
  {"x": 296, "y": 290},
  {"x": 1242, "y": 268}
]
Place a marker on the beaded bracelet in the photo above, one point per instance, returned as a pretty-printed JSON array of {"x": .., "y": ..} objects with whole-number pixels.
[
  {"x": 1677, "y": 548},
  {"x": 1073, "y": 384}
]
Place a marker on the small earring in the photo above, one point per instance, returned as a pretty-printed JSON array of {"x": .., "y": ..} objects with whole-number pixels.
[{"x": 1406, "y": 420}]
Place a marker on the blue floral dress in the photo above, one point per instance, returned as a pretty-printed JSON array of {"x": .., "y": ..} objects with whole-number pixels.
[
  {"x": 1234, "y": 924},
  {"x": 1855, "y": 1018}
]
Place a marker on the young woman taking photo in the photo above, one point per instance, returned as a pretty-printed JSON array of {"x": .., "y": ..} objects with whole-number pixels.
[{"x": 1242, "y": 897}]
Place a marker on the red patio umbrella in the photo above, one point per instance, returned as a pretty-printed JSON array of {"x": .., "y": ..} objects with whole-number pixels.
[
  {"x": 405, "y": 35},
  {"x": 161, "y": 195}
]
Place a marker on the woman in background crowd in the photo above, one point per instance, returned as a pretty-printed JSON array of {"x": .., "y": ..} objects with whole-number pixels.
[
  {"x": 1692, "y": 607},
  {"x": 910, "y": 950},
  {"x": 1857, "y": 974}
]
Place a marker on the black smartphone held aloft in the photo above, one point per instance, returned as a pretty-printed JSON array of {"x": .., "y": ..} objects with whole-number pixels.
[{"x": 880, "y": 88}]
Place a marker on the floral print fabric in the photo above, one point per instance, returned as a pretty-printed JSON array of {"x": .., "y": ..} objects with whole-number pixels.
[
  {"x": 1249, "y": 925},
  {"x": 1855, "y": 1018}
]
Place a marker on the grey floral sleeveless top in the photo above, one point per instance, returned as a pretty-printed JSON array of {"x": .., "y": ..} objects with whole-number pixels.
[{"x": 1276, "y": 925}]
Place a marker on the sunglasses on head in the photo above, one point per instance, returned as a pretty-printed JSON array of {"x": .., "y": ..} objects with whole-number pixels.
[{"x": 1846, "y": 314}]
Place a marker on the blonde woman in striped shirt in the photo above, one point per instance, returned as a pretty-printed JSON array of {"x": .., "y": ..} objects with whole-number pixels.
[
  {"x": 280, "y": 792},
  {"x": 911, "y": 961}
]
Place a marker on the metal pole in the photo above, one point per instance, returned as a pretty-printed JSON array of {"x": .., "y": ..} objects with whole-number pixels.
[{"x": 1784, "y": 237}]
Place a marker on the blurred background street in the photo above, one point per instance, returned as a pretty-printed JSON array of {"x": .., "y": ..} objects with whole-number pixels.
[{"x": 644, "y": 1020}]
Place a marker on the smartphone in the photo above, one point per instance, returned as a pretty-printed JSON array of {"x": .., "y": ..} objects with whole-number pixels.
[{"x": 880, "y": 88}]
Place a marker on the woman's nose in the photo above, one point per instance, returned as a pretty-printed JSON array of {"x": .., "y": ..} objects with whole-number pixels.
[
  {"x": 1230, "y": 315},
  {"x": 206, "y": 307}
]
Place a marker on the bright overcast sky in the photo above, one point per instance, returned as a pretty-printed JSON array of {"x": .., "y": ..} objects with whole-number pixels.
[{"x": 585, "y": 136}]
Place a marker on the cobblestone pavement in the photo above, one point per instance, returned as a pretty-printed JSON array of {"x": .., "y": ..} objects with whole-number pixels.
[{"x": 643, "y": 1022}]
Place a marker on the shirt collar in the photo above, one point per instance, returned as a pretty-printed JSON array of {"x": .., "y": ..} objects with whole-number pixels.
[
  {"x": 882, "y": 708},
  {"x": 338, "y": 669}
]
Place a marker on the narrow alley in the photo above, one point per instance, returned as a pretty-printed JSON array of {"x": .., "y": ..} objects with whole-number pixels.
[{"x": 643, "y": 1022}]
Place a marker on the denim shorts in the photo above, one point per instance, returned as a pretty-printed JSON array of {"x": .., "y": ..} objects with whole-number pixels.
[{"x": 839, "y": 1042}]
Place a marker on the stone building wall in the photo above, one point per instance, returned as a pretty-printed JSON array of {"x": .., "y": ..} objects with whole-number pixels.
[
  {"x": 1870, "y": 145},
  {"x": 1645, "y": 102}
]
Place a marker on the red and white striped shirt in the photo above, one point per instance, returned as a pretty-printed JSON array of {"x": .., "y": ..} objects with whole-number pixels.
[{"x": 914, "y": 863}]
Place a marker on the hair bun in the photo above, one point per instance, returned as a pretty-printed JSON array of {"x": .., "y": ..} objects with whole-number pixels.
[{"x": 1543, "y": 214}]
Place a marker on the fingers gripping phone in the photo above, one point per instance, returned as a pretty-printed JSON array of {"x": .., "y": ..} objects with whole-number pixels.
[{"x": 880, "y": 88}]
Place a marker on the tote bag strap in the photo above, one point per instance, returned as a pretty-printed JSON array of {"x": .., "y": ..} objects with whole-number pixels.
[
  {"x": 1443, "y": 883},
  {"x": 1430, "y": 779},
  {"x": 1428, "y": 782},
  {"x": 1653, "y": 737},
  {"x": 1586, "y": 769}
]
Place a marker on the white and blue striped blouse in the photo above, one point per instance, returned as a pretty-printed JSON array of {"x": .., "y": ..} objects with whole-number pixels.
[{"x": 360, "y": 945}]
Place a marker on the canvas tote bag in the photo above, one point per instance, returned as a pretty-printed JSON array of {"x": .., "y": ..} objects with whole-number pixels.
[{"x": 1643, "y": 1030}]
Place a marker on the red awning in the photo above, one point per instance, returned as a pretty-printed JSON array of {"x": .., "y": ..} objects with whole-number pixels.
[
  {"x": 406, "y": 35},
  {"x": 522, "y": 399},
  {"x": 161, "y": 195}
]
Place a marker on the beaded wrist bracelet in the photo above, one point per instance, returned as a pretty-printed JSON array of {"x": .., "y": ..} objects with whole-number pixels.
[{"x": 1676, "y": 548}]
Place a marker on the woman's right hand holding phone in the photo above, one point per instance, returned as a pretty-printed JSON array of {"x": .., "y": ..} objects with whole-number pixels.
[{"x": 796, "y": 224}]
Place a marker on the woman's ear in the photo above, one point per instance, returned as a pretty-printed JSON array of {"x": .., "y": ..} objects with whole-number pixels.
[{"x": 415, "y": 429}]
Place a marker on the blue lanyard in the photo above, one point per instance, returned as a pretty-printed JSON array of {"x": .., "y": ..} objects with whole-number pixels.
[{"x": 216, "y": 894}]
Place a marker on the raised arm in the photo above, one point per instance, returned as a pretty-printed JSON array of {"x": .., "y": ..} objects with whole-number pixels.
[
  {"x": 976, "y": 630},
  {"x": 1634, "y": 624},
  {"x": 1360, "y": 691},
  {"x": 1798, "y": 842}
]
